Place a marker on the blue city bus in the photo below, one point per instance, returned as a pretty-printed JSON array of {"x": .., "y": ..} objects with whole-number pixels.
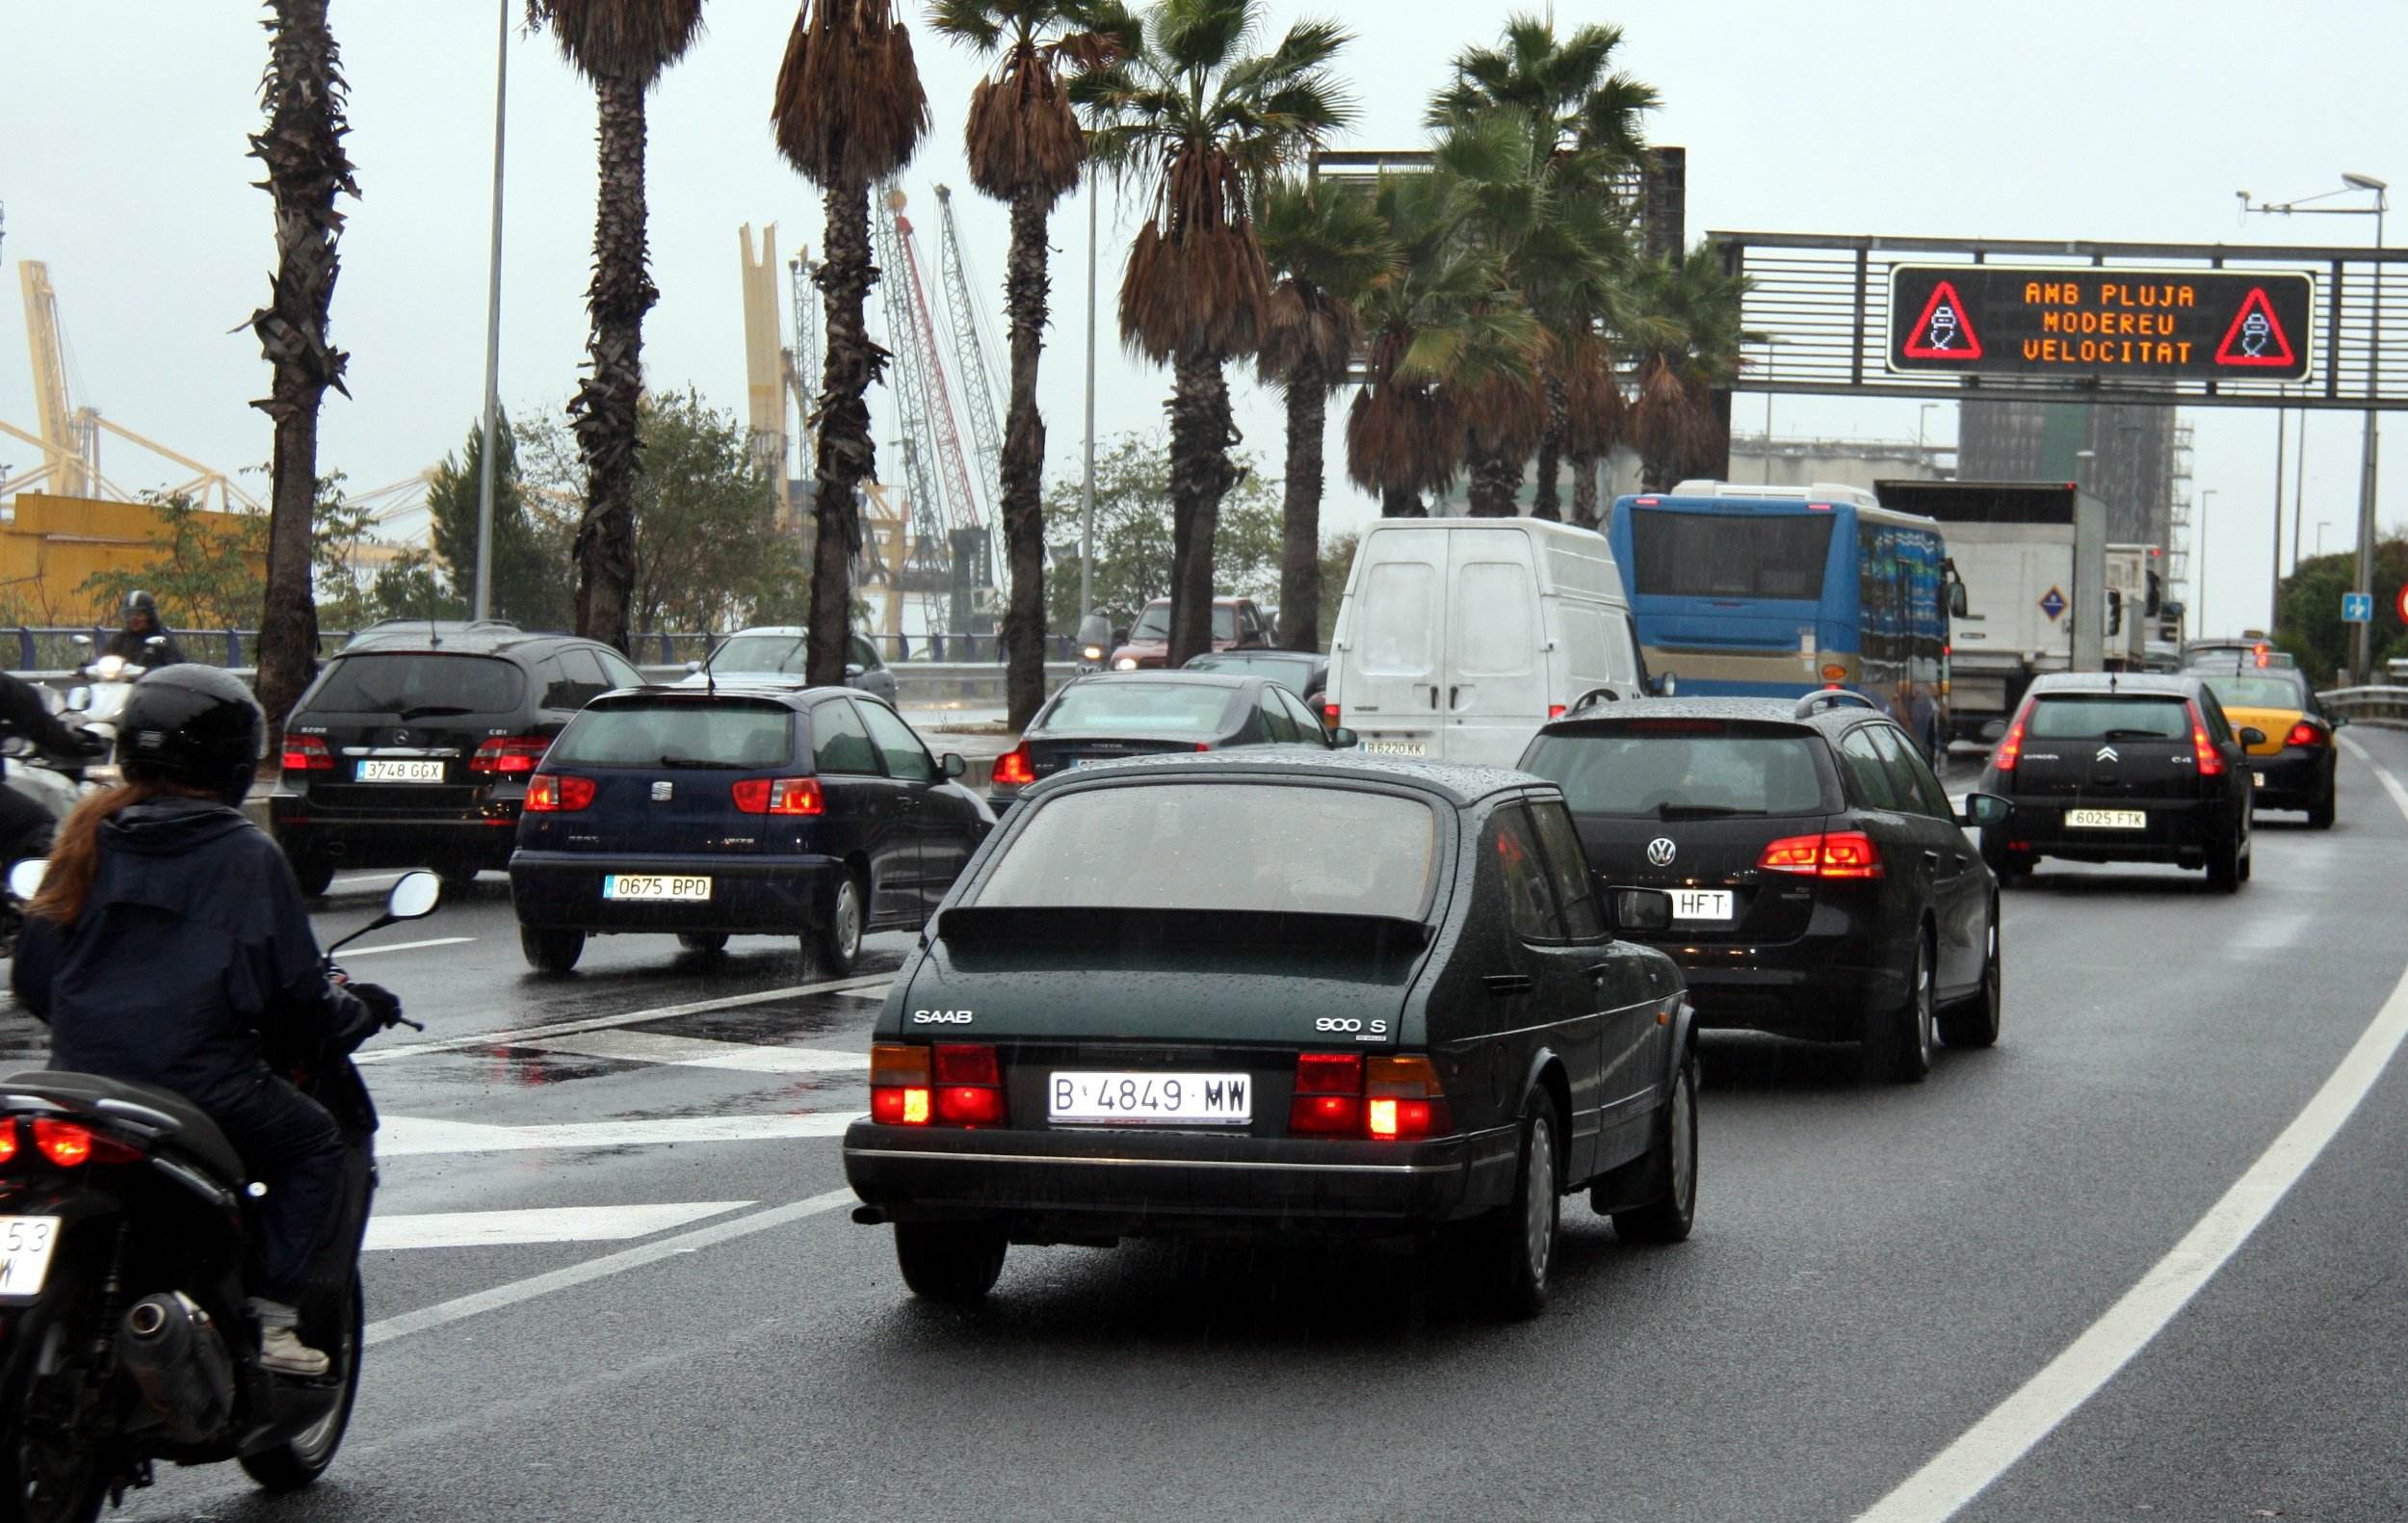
[{"x": 1742, "y": 590}]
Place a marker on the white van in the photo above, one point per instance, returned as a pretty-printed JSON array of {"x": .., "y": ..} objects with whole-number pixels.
[{"x": 1457, "y": 638}]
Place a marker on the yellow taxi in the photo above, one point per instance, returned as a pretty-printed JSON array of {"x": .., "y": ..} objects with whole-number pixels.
[{"x": 2294, "y": 765}]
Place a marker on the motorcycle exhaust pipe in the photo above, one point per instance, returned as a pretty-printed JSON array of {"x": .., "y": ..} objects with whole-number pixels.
[{"x": 172, "y": 1349}]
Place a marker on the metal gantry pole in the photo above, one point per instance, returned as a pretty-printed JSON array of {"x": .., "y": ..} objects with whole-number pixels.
[
  {"x": 2362, "y": 635},
  {"x": 1087, "y": 495},
  {"x": 493, "y": 327},
  {"x": 2274, "y": 568}
]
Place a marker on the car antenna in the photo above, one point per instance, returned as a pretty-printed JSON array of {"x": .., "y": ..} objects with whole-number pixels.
[{"x": 434, "y": 636}]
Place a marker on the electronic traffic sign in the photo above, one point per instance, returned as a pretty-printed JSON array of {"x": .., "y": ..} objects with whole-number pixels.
[{"x": 2086, "y": 322}]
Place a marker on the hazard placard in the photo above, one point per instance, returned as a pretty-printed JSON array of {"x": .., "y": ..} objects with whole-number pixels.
[
  {"x": 2103, "y": 322},
  {"x": 2255, "y": 337},
  {"x": 1944, "y": 332}
]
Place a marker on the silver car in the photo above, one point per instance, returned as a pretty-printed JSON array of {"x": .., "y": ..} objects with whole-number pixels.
[{"x": 775, "y": 653}]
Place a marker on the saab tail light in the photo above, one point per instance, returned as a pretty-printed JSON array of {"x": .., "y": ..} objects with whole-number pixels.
[
  {"x": 1403, "y": 1099},
  {"x": 1328, "y": 1095},
  {"x": 2304, "y": 733},
  {"x": 1012, "y": 769},
  {"x": 968, "y": 1086},
  {"x": 1833, "y": 853},
  {"x": 69, "y": 1145},
  {"x": 899, "y": 1085},
  {"x": 306, "y": 753},
  {"x": 2203, "y": 751},
  {"x": 551, "y": 793},
  {"x": 780, "y": 796},
  {"x": 510, "y": 755}
]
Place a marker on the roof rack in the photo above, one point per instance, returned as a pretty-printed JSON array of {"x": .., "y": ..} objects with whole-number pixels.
[{"x": 1830, "y": 698}]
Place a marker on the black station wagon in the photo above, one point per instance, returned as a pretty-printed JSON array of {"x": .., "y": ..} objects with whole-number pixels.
[{"x": 1276, "y": 990}]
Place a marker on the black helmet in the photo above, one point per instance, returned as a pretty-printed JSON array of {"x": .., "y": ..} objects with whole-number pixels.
[
  {"x": 141, "y": 602},
  {"x": 192, "y": 725}
]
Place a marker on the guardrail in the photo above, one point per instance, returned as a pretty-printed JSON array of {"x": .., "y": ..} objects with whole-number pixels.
[{"x": 2386, "y": 706}]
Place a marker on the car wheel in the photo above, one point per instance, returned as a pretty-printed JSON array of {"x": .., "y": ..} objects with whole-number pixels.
[
  {"x": 551, "y": 951},
  {"x": 1974, "y": 1023},
  {"x": 837, "y": 944},
  {"x": 2224, "y": 868},
  {"x": 948, "y": 1261},
  {"x": 1899, "y": 1047},
  {"x": 703, "y": 943},
  {"x": 2321, "y": 812},
  {"x": 312, "y": 868},
  {"x": 1519, "y": 1238},
  {"x": 1673, "y": 1162}
]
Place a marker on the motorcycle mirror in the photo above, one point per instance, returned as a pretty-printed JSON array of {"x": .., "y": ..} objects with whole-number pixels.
[
  {"x": 84, "y": 641},
  {"x": 414, "y": 897},
  {"x": 156, "y": 642},
  {"x": 78, "y": 699},
  {"x": 25, "y": 878}
]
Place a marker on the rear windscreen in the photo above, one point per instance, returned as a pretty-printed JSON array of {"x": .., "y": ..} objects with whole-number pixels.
[
  {"x": 1149, "y": 707},
  {"x": 1725, "y": 555},
  {"x": 1266, "y": 847},
  {"x": 760, "y": 653},
  {"x": 420, "y": 684},
  {"x": 2108, "y": 719},
  {"x": 742, "y": 737},
  {"x": 2257, "y": 692},
  {"x": 1698, "y": 770}
]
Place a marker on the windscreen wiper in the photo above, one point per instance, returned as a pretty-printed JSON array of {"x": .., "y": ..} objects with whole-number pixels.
[
  {"x": 427, "y": 711},
  {"x": 688, "y": 761},
  {"x": 2135, "y": 735}
]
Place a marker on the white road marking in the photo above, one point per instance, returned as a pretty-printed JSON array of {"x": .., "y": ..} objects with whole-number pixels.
[
  {"x": 349, "y": 952},
  {"x": 455, "y": 1230},
  {"x": 1991, "y": 1445},
  {"x": 508, "y": 1037},
  {"x": 697, "y": 1052},
  {"x": 443, "y": 1313},
  {"x": 410, "y": 1136}
]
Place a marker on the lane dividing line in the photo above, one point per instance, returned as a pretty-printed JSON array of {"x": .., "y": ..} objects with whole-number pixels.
[
  {"x": 462, "y": 1229},
  {"x": 417, "y": 1137},
  {"x": 406, "y": 946},
  {"x": 505, "y": 1039},
  {"x": 461, "y": 1307},
  {"x": 1991, "y": 1445}
]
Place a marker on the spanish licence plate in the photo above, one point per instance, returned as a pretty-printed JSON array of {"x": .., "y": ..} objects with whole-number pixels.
[
  {"x": 399, "y": 772},
  {"x": 1397, "y": 748},
  {"x": 2258, "y": 778},
  {"x": 25, "y": 1243},
  {"x": 1225, "y": 1099},
  {"x": 654, "y": 886},
  {"x": 2107, "y": 820},
  {"x": 1701, "y": 904}
]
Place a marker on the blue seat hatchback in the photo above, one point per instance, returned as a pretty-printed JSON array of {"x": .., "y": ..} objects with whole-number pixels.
[{"x": 809, "y": 812}]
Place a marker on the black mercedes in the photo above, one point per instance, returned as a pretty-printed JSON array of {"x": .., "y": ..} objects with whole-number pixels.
[{"x": 1272, "y": 990}]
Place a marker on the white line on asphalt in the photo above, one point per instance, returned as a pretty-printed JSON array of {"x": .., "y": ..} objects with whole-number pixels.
[
  {"x": 1991, "y": 1445},
  {"x": 406, "y": 946},
  {"x": 442, "y": 1313},
  {"x": 456, "y": 1229},
  {"x": 504, "y": 1038},
  {"x": 698, "y": 1052},
  {"x": 412, "y": 1136}
]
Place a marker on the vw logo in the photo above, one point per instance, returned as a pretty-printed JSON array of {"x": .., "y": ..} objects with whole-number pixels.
[
  {"x": 2108, "y": 753},
  {"x": 1660, "y": 850}
]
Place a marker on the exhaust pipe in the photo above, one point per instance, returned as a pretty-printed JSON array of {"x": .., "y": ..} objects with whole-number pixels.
[{"x": 178, "y": 1361}]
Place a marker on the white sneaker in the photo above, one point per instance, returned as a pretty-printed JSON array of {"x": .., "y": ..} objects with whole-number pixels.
[{"x": 282, "y": 1351}]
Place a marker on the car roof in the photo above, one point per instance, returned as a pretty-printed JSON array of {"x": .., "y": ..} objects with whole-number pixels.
[
  {"x": 1757, "y": 711},
  {"x": 790, "y": 694},
  {"x": 492, "y": 639},
  {"x": 2164, "y": 684},
  {"x": 1455, "y": 783},
  {"x": 1181, "y": 676}
]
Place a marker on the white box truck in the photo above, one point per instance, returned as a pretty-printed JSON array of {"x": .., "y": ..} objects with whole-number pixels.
[
  {"x": 2134, "y": 593},
  {"x": 1457, "y": 638},
  {"x": 2032, "y": 556}
]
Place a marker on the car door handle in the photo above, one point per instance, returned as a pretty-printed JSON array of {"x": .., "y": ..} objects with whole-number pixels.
[{"x": 1503, "y": 984}]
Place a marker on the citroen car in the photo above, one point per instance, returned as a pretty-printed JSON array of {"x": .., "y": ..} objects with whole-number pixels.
[
  {"x": 1272, "y": 990},
  {"x": 2294, "y": 767}
]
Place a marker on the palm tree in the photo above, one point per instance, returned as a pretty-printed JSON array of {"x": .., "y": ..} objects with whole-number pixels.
[
  {"x": 1330, "y": 250},
  {"x": 1025, "y": 149},
  {"x": 1689, "y": 346},
  {"x": 849, "y": 113},
  {"x": 1190, "y": 114},
  {"x": 302, "y": 149}
]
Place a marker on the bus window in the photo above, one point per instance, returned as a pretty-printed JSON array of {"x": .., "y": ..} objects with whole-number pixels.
[{"x": 1726, "y": 555}]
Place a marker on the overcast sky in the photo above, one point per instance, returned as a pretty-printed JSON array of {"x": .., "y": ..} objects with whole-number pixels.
[{"x": 121, "y": 165}]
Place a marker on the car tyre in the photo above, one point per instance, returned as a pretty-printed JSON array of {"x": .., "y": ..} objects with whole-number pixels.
[
  {"x": 551, "y": 951},
  {"x": 948, "y": 1261},
  {"x": 1899, "y": 1045},
  {"x": 1518, "y": 1241},
  {"x": 836, "y": 942},
  {"x": 2321, "y": 812},
  {"x": 313, "y": 869},
  {"x": 1974, "y": 1022},
  {"x": 2224, "y": 868},
  {"x": 703, "y": 943},
  {"x": 1673, "y": 1166}
]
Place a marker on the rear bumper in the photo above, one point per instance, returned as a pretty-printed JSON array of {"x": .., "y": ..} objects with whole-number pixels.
[
  {"x": 2178, "y": 831},
  {"x": 1041, "y": 1185},
  {"x": 1821, "y": 986},
  {"x": 2296, "y": 777},
  {"x": 753, "y": 896},
  {"x": 483, "y": 833}
]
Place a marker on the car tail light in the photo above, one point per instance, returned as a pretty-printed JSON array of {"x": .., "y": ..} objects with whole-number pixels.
[
  {"x": 1403, "y": 1099},
  {"x": 1328, "y": 1097},
  {"x": 69, "y": 1145},
  {"x": 306, "y": 753},
  {"x": 1329, "y": 716},
  {"x": 8, "y": 1140},
  {"x": 1012, "y": 769},
  {"x": 2011, "y": 749},
  {"x": 1832, "y": 853},
  {"x": 2304, "y": 733},
  {"x": 899, "y": 1085},
  {"x": 969, "y": 1086},
  {"x": 1792, "y": 854},
  {"x": 2203, "y": 751},
  {"x": 780, "y": 796},
  {"x": 510, "y": 755},
  {"x": 553, "y": 793},
  {"x": 1555, "y": 711}
]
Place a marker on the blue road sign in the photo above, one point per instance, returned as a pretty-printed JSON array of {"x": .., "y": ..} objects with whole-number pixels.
[{"x": 2357, "y": 607}]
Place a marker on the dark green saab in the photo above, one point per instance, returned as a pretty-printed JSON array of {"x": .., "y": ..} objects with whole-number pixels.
[{"x": 1270, "y": 990}]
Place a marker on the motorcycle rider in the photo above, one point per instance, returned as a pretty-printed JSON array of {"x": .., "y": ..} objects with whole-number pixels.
[
  {"x": 133, "y": 642},
  {"x": 169, "y": 946},
  {"x": 25, "y": 825}
]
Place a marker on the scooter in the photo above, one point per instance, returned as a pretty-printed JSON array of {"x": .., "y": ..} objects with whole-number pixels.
[
  {"x": 124, "y": 1337},
  {"x": 108, "y": 682}
]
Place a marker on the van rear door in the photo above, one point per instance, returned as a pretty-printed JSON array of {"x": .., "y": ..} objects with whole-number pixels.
[
  {"x": 1386, "y": 677},
  {"x": 1495, "y": 675}
]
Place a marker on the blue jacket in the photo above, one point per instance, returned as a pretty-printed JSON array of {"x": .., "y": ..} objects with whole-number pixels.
[{"x": 192, "y": 962}]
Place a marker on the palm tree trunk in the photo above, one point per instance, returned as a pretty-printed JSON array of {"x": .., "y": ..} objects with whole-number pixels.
[
  {"x": 1495, "y": 479},
  {"x": 1023, "y": 470},
  {"x": 1584, "y": 492},
  {"x": 1301, "y": 550},
  {"x": 303, "y": 150},
  {"x": 1546, "y": 504},
  {"x": 847, "y": 455},
  {"x": 1201, "y": 476},
  {"x": 1396, "y": 502},
  {"x": 606, "y": 405}
]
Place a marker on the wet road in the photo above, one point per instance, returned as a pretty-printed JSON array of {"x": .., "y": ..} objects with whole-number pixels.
[{"x": 613, "y": 1276}]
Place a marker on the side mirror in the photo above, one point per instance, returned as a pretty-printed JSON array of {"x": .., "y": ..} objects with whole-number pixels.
[
  {"x": 1959, "y": 606},
  {"x": 952, "y": 765},
  {"x": 2251, "y": 735},
  {"x": 1666, "y": 686},
  {"x": 1985, "y": 809},
  {"x": 156, "y": 643},
  {"x": 1641, "y": 909},
  {"x": 414, "y": 897},
  {"x": 1995, "y": 730},
  {"x": 78, "y": 699},
  {"x": 1344, "y": 739},
  {"x": 853, "y": 668},
  {"x": 84, "y": 641},
  {"x": 25, "y": 878},
  {"x": 693, "y": 668}
]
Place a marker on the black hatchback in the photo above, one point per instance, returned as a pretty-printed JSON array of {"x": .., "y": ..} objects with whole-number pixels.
[
  {"x": 1823, "y": 886},
  {"x": 413, "y": 746},
  {"x": 1112, "y": 716}
]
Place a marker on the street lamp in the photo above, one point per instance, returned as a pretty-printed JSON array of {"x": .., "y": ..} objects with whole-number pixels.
[
  {"x": 484, "y": 591},
  {"x": 2199, "y": 598},
  {"x": 2322, "y": 524},
  {"x": 1923, "y": 415}
]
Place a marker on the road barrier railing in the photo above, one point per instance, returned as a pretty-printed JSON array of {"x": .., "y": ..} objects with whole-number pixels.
[{"x": 2386, "y": 706}]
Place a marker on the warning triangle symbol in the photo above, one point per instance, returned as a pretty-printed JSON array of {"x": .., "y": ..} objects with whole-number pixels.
[
  {"x": 1945, "y": 331},
  {"x": 2256, "y": 336}
]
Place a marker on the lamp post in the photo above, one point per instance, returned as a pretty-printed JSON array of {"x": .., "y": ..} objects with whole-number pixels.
[
  {"x": 2322, "y": 524},
  {"x": 1087, "y": 491},
  {"x": 2199, "y": 586},
  {"x": 492, "y": 330}
]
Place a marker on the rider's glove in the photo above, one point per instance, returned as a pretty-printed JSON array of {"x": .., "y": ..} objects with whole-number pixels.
[
  {"x": 381, "y": 1002},
  {"x": 93, "y": 746}
]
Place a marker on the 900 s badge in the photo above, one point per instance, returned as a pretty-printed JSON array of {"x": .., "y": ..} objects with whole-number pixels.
[
  {"x": 1327, "y": 1023},
  {"x": 941, "y": 1017}
]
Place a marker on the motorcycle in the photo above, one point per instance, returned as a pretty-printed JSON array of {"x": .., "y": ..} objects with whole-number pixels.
[
  {"x": 55, "y": 784},
  {"x": 124, "y": 1335},
  {"x": 1095, "y": 633},
  {"x": 108, "y": 681}
]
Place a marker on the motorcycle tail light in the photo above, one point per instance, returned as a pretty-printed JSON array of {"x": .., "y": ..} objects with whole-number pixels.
[
  {"x": 306, "y": 753},
  {"x": 8, "y": 1140},
  {"x": 70, "y": 1145}
]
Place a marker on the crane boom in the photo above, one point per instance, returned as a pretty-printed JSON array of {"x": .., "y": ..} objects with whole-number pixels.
[
  {"x": 63, "y": 451},
  {"x": 930, "y": 557},
  {"x": 969, "y": 353}
]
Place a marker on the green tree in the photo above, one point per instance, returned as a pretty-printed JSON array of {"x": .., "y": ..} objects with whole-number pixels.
[
  {"x": 1133, "y": 533},
  {"x": 620, "y": 46},
  {"x": 1198, "y": 118},
  {"x": 1686, "y": 337},
  {"x": 1337, "y": 563},
  {"x": 534, "y": 575},
  {"x": 2311, "y": 628},
  {"x": 207, "y": 570}
]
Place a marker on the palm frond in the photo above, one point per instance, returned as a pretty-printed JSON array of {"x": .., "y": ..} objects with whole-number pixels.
[
  {"x": 849, "y": 108},
  {"x": 619, "y": 39}
]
